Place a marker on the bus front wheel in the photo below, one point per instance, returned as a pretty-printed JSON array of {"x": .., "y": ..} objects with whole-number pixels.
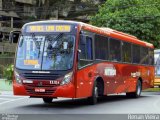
[
  {"x": 138, "y": 91},
  {"x": 47, "y": 100}
]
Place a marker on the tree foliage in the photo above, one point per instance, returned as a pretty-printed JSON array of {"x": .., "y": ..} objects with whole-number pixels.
[{"x": 136, "y": 17}]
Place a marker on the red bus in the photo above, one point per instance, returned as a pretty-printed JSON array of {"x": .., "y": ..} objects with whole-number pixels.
[{"x": 76, "y": 60}]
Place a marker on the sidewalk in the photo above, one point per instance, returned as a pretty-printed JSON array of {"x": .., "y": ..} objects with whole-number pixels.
[
  {"x": 10, "y": 93},
  {"x": 5, "y": 85}
]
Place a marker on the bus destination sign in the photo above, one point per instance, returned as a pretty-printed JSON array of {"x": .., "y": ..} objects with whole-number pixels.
[{"x": 48, "y": 28}]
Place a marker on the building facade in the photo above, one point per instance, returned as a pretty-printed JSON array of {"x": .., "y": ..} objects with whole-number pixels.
[{"x": 12, "y": 14}]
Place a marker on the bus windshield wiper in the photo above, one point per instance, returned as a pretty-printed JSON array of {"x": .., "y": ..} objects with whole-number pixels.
[
  {"x": 51, "y": 41},
  {"x": 35, "y": 41}
]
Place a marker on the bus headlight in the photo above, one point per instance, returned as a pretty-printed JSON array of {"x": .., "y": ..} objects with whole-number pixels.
[
  {"x": 67, "y": 78},
  {"x": 17, "y": 77}
]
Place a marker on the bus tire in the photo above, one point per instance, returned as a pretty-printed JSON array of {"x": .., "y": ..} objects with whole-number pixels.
[
  {"x": 93, "y": 99},
  {"x": 47, "y": 100},
  {"x": 138, "y": 91}
]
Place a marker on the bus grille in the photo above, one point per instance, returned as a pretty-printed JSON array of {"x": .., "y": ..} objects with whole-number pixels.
[
  {"x": 49, "y": 89},
  {"x": 40, "y": 76}
]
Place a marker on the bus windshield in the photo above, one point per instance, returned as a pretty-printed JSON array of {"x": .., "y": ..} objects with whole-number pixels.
[
  {"x": 45, "y": 52},
  {"x": 157, "y": 63}
]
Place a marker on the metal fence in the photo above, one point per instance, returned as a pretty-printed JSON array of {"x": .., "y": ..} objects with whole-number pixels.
[{"x": 4, "y": 61}]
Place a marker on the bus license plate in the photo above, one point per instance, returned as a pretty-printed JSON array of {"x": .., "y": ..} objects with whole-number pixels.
[{"x": 39, "y": 90}]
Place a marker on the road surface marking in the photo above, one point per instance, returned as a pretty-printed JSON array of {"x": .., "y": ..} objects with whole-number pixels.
[
  {"x": 156, "y": 103},
  {"x": 12, "y": 96},
  {"x": 11, "y": 101},
  {"x": 5, "y": 98}
]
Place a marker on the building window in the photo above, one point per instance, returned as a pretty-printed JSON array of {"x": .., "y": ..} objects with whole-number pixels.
[
  {"x": 136, "y": 54},
  {"x": 115, "y": 50},
  {"x": 101, "y": 47},
  {"x": 126, "y": 52}
]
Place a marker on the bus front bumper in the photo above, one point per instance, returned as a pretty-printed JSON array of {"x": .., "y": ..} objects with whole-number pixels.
[{"x": 67, "y": 91}]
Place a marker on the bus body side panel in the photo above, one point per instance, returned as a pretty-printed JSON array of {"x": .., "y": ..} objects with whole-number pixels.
[
  {"x": 85, "y": 78},
  {"x": 131, "y": 73},
  {"x": 118, "y": 78},
  {"x": 148, "y": 80}
]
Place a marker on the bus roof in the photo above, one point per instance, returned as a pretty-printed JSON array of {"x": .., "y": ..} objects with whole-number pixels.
[{"x": 104, "y": 31}]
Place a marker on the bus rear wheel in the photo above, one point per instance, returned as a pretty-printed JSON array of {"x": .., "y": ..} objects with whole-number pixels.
[
  {"x": 138, "y": 91},
  {"x": 47, "y": 100},
  {"x": 93, "y": 99}
]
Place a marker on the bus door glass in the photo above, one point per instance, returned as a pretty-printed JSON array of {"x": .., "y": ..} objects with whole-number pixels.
[{"x": 84, "y": 62}]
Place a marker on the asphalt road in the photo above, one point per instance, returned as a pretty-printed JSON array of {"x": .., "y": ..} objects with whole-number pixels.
[{"x": 149, "y": 102}]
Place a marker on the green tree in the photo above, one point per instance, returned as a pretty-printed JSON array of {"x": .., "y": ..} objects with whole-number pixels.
[{"x": 136, "y": 17}]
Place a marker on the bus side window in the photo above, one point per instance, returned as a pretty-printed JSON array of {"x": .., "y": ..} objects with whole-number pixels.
[
  {"x": 115, "y": 50},
  {"x": 101, "y": 47},
  {"x": 151, "y": 57},
  {"x": 86, "y": 47},
  {"x": 136, "y": 54},
  {"x": 126, "y": 52},
  {"x": 144, "y": 55},
  {"x": 89, "y": 47},
  {"x": 82, "y": 46}
]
